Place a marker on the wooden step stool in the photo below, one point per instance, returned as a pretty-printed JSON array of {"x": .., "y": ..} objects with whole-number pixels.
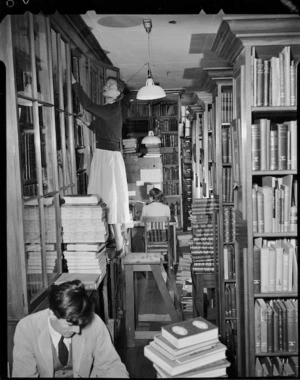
[{"x": 145, "y": 262}]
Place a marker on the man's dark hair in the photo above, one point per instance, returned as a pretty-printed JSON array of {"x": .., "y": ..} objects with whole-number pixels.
[
  {"x": 156, "y": 194},
  {"x": 70, "y": 301}
]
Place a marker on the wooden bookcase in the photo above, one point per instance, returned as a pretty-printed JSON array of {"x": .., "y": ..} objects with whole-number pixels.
[
  {"x": 43, "y": 138},
  {"x": 235, "y": 42}
]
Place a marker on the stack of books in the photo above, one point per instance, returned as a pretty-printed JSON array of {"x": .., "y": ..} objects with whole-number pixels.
[
  {"x": 188, "y": 349},
  {"x": 83, "y": 222},
  {"x": 34, "y": 258},
  {"x": 86, "y": 258},
  {"x": 130, "y": 146},
  {"x": 32, "y": 231}
]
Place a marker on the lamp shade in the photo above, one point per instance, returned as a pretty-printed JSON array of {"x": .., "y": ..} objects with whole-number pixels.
[
  {"x": 151, "y": 139},
  {"x": 150, "y": 91}
]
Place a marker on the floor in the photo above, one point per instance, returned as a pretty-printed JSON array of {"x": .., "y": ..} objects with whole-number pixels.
[{"x": 136, "y": 363}]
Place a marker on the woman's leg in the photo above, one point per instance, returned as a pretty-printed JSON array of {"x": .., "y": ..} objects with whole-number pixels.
[{"x": 118, "y": 236}]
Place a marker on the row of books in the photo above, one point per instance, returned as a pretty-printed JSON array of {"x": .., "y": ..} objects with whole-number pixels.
[
  {"x": 274, "y": 145},
  {"x": 231, "y": 338},
  {"x": 226, "y": 107},
  {"x": 228, "y": 224},
  {"x": 187, "y": 349},
  {"x": 170, "y": 158},
  {"x": 227, "y": 184},
  {"x": 229, "y": 262},
  {"x": 169, "y": 140},
  {"x": 275, "y": 266},
  {"x": 274, "y": 80},
  {"x": 276, "y": 366},
  {"x": 166, "y": 125},
  {"x": 137, "y": 109},
  {"x": 276, "y": 325},
  {"x": 230, "y": 300},
  {"x": 165, "y": 109},
  {"x": 171, "y": 173},
  {"x": 274, "y": 205},
  {"x": 226, "y": 145},
  {"x": 171, "y": 187}
]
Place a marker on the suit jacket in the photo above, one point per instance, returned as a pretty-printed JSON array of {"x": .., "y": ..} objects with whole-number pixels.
[{"x": 92, "y": 351}]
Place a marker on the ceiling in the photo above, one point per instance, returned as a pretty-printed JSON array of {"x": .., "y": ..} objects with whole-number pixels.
[{"x": 179, "y": 43}]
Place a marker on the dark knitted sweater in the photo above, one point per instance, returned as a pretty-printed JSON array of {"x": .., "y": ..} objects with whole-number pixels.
[{"x": 108, "y": 121}]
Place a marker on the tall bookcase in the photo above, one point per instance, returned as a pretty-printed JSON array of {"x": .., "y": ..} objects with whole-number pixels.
[
  {"x": 245, "y": 42},
  {"x": 42, "y": 136}
]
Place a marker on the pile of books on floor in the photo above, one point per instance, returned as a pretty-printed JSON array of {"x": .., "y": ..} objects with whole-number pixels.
[
  {"x": 130, "y": 146},
  {"x": 184, "y": 279},
  {"x": 86, "y": 258},
  {"x": 84, "y": 219},
  {"x": 188, "y": 349}
]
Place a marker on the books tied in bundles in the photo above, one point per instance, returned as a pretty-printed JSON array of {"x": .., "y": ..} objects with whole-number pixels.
[
  {"x": 199, "y": 354},
  {"x": 91, "y": 281}
]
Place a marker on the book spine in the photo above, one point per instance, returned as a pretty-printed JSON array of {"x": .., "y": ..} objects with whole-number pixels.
[
  {"x": 272, "y": 269},
  {"x": 263, "y": 143},
  {"x": 282, "y": 146},
  {"x": 256, "y": 269},
  {"x": 264, "y": 269},
  {"x": 266, "y": 82},
  {"x": 255, "y": 147},
  {"x": 270, "y": 329},
  {"x": 281, "y": 80},
  {"x": 260, "y": 82},
  {"x": 260, "y": 211},
  {"x": 273, "y": 148},
  {"x": 254, "y": 210}
]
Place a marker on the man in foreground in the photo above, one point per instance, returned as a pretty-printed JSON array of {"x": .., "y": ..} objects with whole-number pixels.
[{"x": 66, "y": 340}]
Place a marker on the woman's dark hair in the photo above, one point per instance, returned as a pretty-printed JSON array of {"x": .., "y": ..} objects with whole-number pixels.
[
  {"x": 156, "y": 194},
  {"x": 71, "y": 302},
  {"x": 121, "y": 86}
]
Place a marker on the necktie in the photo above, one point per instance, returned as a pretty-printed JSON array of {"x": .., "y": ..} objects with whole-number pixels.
[{"x": 63, "y": 352}]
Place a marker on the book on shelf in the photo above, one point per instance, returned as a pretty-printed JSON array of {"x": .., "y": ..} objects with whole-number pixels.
[
  {"x": 291, "y": 325},
  {"x": 260, "y": 311},
  {"x": 91, "y": 281},
  {"x": 216, "y": 369},
  {"x": 277, "y": 251},
  {"x": 185, "y": 333},
  {"x": 88, "y": 199},
  {"x": 264, "y": 268},
  {"x": 187, "y": 363},
  {"x": 255, "y": 147},
  {"x": 256, "y": 269}
]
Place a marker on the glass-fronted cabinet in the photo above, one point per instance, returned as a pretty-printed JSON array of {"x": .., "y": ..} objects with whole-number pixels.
[{"x": 54, "y": 144}]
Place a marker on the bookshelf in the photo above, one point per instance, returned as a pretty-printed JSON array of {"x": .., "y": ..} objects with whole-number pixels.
[
  {"x": 242, "y": 41},
  {"x": 45, "y": 135},
  {"x": 163, "y": 117}
]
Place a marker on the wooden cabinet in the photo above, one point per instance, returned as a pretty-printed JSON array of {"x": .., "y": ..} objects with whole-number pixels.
[{"x": 243, "y": 41}]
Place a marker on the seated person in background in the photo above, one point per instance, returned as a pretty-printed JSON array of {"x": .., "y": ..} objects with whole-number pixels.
[
  {"x": 156, "y": 207},
  {"x": 66, "y": 340}
]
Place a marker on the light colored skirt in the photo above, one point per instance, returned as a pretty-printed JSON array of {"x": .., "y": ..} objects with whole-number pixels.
[{"x": 108, "y": 179}]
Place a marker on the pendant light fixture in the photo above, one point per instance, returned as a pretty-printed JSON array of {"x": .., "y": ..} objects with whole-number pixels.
[{"x": 150, "y": 91}]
